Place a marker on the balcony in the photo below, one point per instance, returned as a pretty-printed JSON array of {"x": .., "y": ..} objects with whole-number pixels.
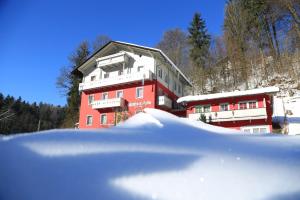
[
  {"x": 114, "y": 59},
  {"x": 126, "y": 78},
  {"x": 164, "y": 101},
  {"x": 232, "y": 115},
  {"x": 108, "y": 103}
]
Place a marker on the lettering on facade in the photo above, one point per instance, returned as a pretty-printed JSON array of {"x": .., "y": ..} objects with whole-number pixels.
[{"x": 143, "y": 103}]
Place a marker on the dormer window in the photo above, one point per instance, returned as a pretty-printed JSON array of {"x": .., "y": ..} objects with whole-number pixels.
[
  {"x": 93, "y": 78},
  {"x": 159, "y": 70},
  {"x": 140, "y": 68},
  {"x": 106, "y": 75},
  {"x": 167, "y": 78}
]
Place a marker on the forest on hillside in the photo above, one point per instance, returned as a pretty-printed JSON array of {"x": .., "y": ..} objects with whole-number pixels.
[{"x": 19, "y": 116}]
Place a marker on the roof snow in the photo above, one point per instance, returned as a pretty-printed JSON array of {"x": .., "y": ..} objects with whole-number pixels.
[{"x": 266, "y": 90}]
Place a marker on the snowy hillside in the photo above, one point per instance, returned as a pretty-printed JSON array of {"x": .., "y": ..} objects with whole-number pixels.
[
  {"x": 154, "y": 155},
  {"x": 287, "y": 113}
]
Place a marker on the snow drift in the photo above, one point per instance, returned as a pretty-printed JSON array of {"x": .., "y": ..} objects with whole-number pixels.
[{"x": 154, "y": 155}]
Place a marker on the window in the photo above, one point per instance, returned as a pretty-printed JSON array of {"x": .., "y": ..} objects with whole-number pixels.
[
  {"x": 247, "y": 130},
  {"x": 255, "y": 130},
  {"x": 252, "y": 104},
  {"x": 120, "y": 72},
  {"x": 106, "y": 75},
  {"x": 179, "y": 88},
  {"x": 166, "y": 78},
  {"x": 263, "y": 130},
  {"x": 119, "y": 94},
  {"x": 243, "y": 105},
  {"x": 159, "y": 72},
  {"x": 140, "y": 68},
  {"x": 202, "y": 109},
  {"x": 89, "y": 120},
  {"x": 105, "y": 95},
  {"x": 93, "y": 78},
  {"x": 91, "y": 99},
  {"x": 198, "y": 109},
  {"x": 174, "y": 86},
  {"x": 139, "y": 92},
  {"x": 103, "y": 119},
  {"x": 206, "y": 108},
  {"x": 224, "y": 107}
]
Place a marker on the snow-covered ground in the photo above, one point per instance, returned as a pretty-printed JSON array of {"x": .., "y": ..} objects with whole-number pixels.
[
  {"x": 154, "y": 155},
  {"x": 290, "y": 106}
]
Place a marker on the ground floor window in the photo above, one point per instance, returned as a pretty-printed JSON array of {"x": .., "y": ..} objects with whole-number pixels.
[
  {"x": 103, "y": 119},
  {"x": 256, "y": 129},
  {"x": 89, "y": 120}
]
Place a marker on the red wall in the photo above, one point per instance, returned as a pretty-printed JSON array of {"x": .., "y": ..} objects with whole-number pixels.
[{"x": 129, "y": 94}]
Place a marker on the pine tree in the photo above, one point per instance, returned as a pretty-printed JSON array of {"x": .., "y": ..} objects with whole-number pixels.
[
  {"x": 199, "y": 39},
  {"x": 73, "y": 96}
]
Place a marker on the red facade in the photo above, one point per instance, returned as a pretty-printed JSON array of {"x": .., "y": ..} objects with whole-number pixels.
[
  {"x": 151, "y": 91},
  {"x": 245, "y": 104}
]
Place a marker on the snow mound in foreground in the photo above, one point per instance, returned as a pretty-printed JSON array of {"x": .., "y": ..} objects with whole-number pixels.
[
  {"x": 141, "y": 120},
  {"x": 154, "y": 155}
]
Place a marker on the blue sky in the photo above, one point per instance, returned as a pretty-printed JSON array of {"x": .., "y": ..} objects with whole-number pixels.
[{"x": 37, "y": 37}]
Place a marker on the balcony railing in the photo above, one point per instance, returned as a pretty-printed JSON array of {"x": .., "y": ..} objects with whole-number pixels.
[
  {"x": 121, "y": 57},
  {"x": 232, "y": 115},
  {"x": 108, "y": 103},
  {"x": 164, "y": 101},
  {"x": 125, "y": 78}
]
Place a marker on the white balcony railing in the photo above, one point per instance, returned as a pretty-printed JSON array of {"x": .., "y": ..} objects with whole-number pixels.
[
  {"x": 108, "y": 103},
  {"x": 232, "y": 115},
  {"x": 121, "y": 57},
  {"x": 126, "y": 78},
  {"x": 164, "y": 101}
]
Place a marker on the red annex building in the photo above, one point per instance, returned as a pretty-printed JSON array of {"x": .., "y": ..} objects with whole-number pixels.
[
  {"x": 249, "y": 110},
  {"x": 122, "y": 79}
]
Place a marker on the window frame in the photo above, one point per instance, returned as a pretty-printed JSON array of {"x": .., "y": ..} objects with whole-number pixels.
[
  {"x": 139, "y": 68},
  {"x": 101, "y": 122},
  {"x": 119, "y": 91},
  {"x": 106, "y": 75},
  {"x": 86, "y": 122},
  {"x": 103, "y": 95},
  {"x": 91, "y": 95},
  {"x": 201, "y": 108},
  {"x": 243, "y": 102},
  {"x": 253, "y": 101},
  {"x": 136, "y": 92},
  {"x": 159, "y": 71},
  {"x": 222, "y": 104},
  {"x": 93, "y": 78},
  {"x": 205, "y": 106}
]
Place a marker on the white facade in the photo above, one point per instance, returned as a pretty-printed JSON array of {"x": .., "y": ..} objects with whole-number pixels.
[{"x": 130, "y": 64}]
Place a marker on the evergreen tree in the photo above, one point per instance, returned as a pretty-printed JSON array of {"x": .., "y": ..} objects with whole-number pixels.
[
  {"x": 69, "y": 83},
  {"x": 199, "y": 39}
]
